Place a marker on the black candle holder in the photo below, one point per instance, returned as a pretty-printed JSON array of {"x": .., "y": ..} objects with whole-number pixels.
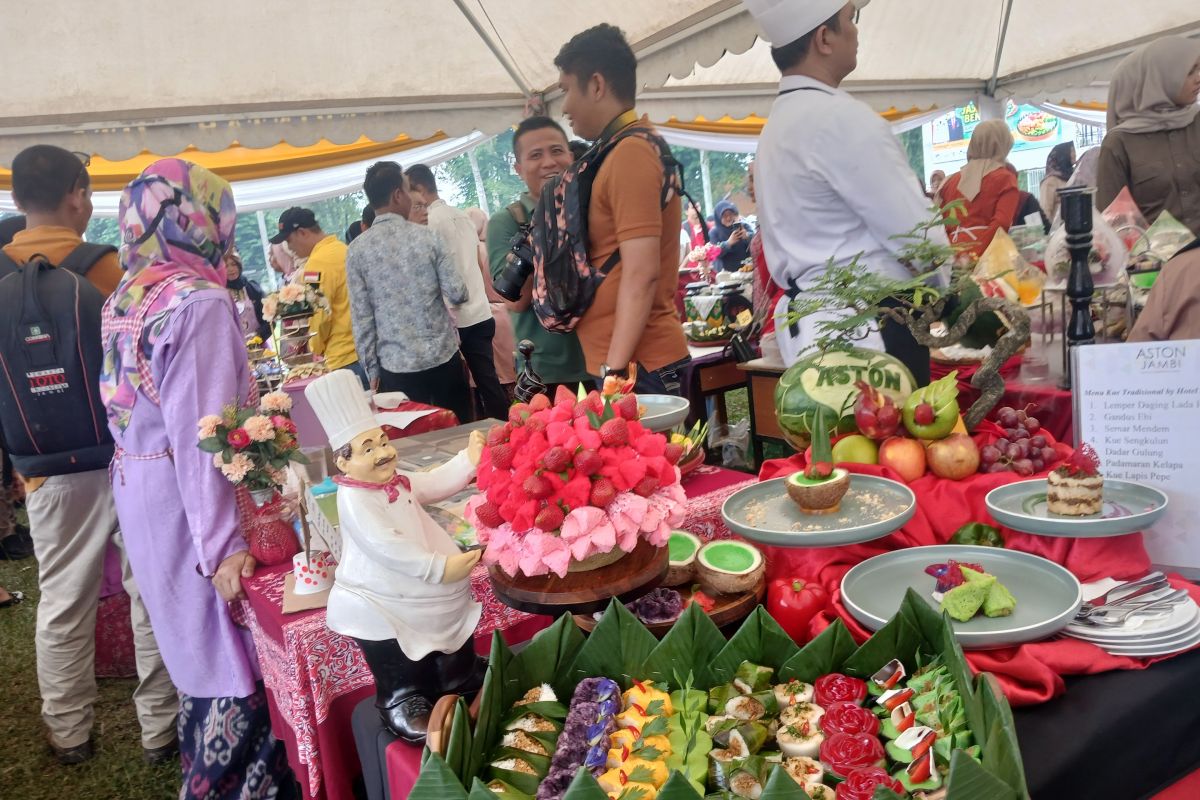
[
  {"x": 529, "y": 383},
  {"x": 1077, "y": 204}
]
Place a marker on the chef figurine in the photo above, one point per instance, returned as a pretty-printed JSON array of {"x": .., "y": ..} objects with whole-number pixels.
[{"x": 402, "y": 589}]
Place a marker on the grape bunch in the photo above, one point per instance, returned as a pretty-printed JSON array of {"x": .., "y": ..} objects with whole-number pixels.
[{"x": 1023, "y": 449}]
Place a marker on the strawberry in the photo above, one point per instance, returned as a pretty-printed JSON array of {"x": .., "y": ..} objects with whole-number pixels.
[
  {"x": 556, "y": 459},
  {"x": 517, "y": 413},
  {"x": 588, "y": 462},
  {"x": 614, "y": 433},
  {"x": 603, "y": 493},
  {"x": 497, "y": 435},
  {"x": 564, "y": 396},
  {"x": 489, "y": 515},
  {"x": 646, "y": 486},
  {"x": 673, "y": 453},
  {"x": 549, "y": 518},
  {"x": 502, "y": 455},
  {"x": 627, "y": 407},
  {"x": 537, "y": 487},
  {"x": 539, "y": 402},
  {"x": 536, "y": 423}
]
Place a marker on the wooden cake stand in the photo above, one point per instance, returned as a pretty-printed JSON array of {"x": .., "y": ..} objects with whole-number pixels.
[{"x": 583, "y": 592}]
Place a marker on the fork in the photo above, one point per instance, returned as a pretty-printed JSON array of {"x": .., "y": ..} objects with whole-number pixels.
[
  {"x": 1096, "y": 602},
  {"x": 1146, "y": 594},
  {"x": 1117, "y": 619}
]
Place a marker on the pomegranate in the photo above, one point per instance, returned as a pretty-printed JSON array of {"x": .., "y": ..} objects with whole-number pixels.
[{"x": 875, "y": 413}]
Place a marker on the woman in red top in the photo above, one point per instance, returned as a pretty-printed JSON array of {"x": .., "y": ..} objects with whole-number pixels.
[{"x": 988, "y": 189}]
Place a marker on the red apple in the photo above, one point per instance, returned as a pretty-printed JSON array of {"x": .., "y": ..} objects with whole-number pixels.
[
  {"x": 903, "y": 456},
  {"x": 954, "y": 457}
]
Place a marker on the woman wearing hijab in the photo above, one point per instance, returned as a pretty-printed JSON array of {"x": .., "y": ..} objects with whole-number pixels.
[
  {"x": 173, "y": 353},
  {"x": 247, "y": 298},
  {"x": 1153, "y": 140},
  {"x": 732, "y": 235},
  {"x": 1060, "y": 165},
  {"x": 987, "y": 188},
  {"x": 282, "y": 261}
]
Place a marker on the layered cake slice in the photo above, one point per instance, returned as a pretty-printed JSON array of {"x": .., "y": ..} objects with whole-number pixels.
[{"x": 1076, "y": 489}]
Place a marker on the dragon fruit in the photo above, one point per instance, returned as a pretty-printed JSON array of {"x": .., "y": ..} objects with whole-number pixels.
[
  {"x": 949, "y": 574},
  {"x": 875, "y": 413}
]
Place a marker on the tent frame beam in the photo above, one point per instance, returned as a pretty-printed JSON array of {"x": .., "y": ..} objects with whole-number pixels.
[
  {"x": 1000, "y": 42},
  {"x": 497, "y": 48}
]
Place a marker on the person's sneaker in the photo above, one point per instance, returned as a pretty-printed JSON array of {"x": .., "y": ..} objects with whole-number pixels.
[
  {"x": 160, "y": 755},
  {"x": 69, "y": 756}
]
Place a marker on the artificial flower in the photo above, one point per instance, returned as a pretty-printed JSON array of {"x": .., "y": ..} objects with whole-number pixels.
[
  {"x": 283, "y": 424},
  {"x": 238, "y": 438},
  {"x": 276, "y": 403},
  {"x": 237, "y": 469},
  {"x": 208, "y": 426},
  {"x": 259, "y": 428}
]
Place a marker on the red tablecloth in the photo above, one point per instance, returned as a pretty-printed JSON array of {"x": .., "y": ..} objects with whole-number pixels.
[
  {"x": 1051, "y": 405},
  {"x": 707, "y": 488},
  {"x": 1030, "y": 673}
]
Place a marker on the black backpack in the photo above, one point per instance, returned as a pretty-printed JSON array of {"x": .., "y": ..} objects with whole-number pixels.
[
  {"x": 51, "y": 419},
  {"x": 564, "y": 279}
]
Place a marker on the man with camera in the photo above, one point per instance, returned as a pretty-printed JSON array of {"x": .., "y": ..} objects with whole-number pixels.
[
  {"x": 541, "y": 152},
  {"x": 632, "y": 318}
]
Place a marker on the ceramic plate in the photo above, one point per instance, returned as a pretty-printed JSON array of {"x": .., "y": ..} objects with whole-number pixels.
[
  {"x": 872, "y": 508},
  {"x": 1148, "y": 629},
  {"x": 663, "y": 411},
  {"x": 1047, "y": 595},
  {"x": 1128, "y": 508},
  {"x": 1159, "y": 649}
]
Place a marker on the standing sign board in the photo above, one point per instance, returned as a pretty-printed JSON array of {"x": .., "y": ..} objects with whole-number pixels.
[{"x": 1137, "y": 404}]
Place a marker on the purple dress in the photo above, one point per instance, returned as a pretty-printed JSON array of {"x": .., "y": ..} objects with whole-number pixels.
[{"x": 178, "y": 513}]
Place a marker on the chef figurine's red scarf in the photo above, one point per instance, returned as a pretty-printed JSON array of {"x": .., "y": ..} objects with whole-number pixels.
[{"x": 393, "y": 494}]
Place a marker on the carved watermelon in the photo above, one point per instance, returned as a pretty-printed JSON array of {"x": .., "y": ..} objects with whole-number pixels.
[{"x": 824, "y": 384}]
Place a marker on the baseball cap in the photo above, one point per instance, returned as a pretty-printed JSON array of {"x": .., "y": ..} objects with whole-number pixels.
[
  {"x": 293, "y": 219},
  {"x": 782, "y": 22}
]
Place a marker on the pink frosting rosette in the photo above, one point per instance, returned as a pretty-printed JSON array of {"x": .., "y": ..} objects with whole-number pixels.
[{"x": 588, "y": 532}]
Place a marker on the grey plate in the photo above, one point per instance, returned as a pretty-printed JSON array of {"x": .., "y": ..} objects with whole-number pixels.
[
  {"x": 663, "y": 411},
  {"x": 1047, "y": 595},
  {"x": 764, "y": 513},
  {"x": 1128, "y": 508}
]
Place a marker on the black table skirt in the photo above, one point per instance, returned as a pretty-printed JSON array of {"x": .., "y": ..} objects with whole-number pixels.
[{"x": 1122, "y": 735}]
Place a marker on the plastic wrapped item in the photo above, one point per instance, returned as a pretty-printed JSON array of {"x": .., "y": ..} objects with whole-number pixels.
[
  {"x": 1002, "y": 271},
  {"x": 732, "y": 441},
  {"x": 1030, "y": 241},
  {"x": 1126, "y": 219},
  {"x": 1162, "y": 240},
  {"x": 1107, "y": 260}
]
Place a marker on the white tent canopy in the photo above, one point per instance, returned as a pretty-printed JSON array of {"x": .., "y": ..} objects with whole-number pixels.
[{"x": 129, "y": 75}]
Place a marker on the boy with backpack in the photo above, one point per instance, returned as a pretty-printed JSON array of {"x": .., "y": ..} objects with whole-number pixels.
[
  {"x": 632, "y": 219},
  {"x": 52, "y": 424}
]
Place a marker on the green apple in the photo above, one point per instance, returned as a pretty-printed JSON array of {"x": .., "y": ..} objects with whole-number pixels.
[
  {"x": 931, "y": 412},
  {"x": 857, "y": 449}
]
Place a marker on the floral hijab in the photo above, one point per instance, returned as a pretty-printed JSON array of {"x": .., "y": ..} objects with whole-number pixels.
[{"x": 177, "y": 222}]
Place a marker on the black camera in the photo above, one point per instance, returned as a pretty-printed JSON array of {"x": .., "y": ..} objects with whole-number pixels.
[{"x": 518, "y": 268}]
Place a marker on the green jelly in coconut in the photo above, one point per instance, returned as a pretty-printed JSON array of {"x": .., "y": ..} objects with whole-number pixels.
[{"x": 819, "y": 489}]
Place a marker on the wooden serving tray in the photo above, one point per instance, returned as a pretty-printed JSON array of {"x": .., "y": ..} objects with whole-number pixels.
[{"x": 583, "y": 592}]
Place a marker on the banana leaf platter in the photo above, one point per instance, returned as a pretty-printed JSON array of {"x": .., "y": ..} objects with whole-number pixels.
[{"x": 694, "y": 655}]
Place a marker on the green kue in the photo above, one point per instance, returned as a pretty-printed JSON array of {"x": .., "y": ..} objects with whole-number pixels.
[{"x": 729, "y": 557}]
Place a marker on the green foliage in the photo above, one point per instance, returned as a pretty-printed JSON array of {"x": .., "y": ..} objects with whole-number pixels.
[{"x": 456, "y": 179}]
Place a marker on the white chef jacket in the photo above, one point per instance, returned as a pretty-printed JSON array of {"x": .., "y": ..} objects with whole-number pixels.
[
  {"x": 831, "y": 180},
  {"x": 387, "y": 584}
]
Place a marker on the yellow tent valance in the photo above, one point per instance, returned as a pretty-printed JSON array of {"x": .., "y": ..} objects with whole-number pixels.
[{"x": 239, "y": 163}]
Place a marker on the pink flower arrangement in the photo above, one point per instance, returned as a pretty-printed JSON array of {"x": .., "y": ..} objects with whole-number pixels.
[
  {"x": 252, "y": 446},
  {"x": 573, "y": 479}
]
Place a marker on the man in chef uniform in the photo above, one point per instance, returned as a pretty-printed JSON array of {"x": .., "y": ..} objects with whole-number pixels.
[
  {"x": 402, "y": 589},
  {"x": 832, "y": 179}
]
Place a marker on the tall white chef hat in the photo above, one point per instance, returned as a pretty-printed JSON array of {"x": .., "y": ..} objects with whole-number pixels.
[
  {"x": 339, "y": 402},
  {"x": 784, "y": 21}
]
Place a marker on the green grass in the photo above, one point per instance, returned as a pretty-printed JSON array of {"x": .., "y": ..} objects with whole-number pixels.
[{"x": 28, "y": 771}]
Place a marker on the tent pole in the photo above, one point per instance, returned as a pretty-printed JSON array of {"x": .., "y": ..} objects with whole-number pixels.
[
  {"x": 272, "y": 275},
  {"x": 479, "y": 188},
  {"x": 991, "y": 87},
  {"x": 706, "y": 179},
  {"x": 497, "y": 48}
]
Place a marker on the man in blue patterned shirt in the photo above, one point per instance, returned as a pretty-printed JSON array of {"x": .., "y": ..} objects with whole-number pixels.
[{"x": 399, "y": 274}]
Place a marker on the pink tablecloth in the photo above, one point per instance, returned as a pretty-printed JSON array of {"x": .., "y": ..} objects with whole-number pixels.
[{"x": 707, "y": 488}]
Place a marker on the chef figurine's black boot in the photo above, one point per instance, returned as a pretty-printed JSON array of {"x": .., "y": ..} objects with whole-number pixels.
[
  {"x": 460, "y": 672},
  {"x": 404, "y": 689}
]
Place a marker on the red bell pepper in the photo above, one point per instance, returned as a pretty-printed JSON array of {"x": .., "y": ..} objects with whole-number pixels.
[{"x": 793, "y": 603}]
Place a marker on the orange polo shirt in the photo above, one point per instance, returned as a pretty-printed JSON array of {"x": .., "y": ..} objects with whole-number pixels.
[{"x": 56, "y": 243}]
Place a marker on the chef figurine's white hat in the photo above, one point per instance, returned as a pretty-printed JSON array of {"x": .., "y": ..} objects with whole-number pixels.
[
  {"x": 784, "y": 21},
  {"x": 339, "y": 402}
]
